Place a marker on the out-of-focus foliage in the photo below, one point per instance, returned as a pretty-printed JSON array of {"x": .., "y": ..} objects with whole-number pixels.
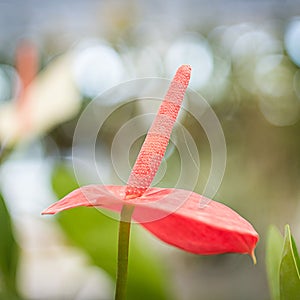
[
  {"x": 273, "y": 257},
  {"x": 289, "y": 268},
  {"x": 96, "y": 234},
  {"x": 9, "y": 255},
  {"x": 283, "y": 265}
]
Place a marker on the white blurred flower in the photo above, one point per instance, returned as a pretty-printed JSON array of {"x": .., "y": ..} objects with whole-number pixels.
[{"x": 48, "y": 99}]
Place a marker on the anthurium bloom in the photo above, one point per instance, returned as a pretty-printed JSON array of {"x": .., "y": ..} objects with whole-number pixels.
[
  {"x": 44, "y": 100},
  {"x": 173, "y": 215}
]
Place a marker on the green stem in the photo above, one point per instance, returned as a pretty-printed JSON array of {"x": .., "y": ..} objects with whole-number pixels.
[{"x": 123, "y": 248}]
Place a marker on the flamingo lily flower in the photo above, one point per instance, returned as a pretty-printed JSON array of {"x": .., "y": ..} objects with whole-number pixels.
[
  {"x": 44, "y": 100},
  {"x": 175, "y": 216}
]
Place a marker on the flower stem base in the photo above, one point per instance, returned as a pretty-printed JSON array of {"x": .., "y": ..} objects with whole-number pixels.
[{"x": 123, "y": 250}]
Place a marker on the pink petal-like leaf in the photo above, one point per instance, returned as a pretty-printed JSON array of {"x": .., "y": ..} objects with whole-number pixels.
[
  {"x": 175, "y": 216},
  {"x": 212, "y": 229}
]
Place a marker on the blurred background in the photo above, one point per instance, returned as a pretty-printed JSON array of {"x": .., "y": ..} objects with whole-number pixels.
[{"x": 56, "y": 56}]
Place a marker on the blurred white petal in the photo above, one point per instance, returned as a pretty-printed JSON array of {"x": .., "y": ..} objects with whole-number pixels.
[{"x": 52, "y": 98}]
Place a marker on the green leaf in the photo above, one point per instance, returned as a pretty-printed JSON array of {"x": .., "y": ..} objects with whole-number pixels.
[
  {"x": 96, "y": 234},
  {"x": 273, "y": 258},
  {"x": 289, "y": 269},
  {"x": 9, "y": 253}
]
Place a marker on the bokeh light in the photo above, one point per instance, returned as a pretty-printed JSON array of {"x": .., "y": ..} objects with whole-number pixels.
[
  {"x": 279, "y": 104},
  {"x": 292, "y": 38},
  {"x": 247, "y": 49},
  {"x": 191, "y": 49},
  {"x": 97, "y": 67}
]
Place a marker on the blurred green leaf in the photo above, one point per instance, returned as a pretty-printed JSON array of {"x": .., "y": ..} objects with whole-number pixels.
[
  {"x": 273, "y": 258},
  {"x": 9, "y": 254},
  {"x": 7, "y": 295},
  {"x": 96, "y": 234},
  {"x": 289, "y": 269}
]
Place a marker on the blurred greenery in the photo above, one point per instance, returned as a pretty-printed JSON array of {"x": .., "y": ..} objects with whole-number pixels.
[
  {"x": 283, "y": 265},
  {"x": 96, "y": 234},
  {"x": 9, "y": 255},
  {"x": 289, "y": 268},
  {"x": 274, "y": 246}
]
